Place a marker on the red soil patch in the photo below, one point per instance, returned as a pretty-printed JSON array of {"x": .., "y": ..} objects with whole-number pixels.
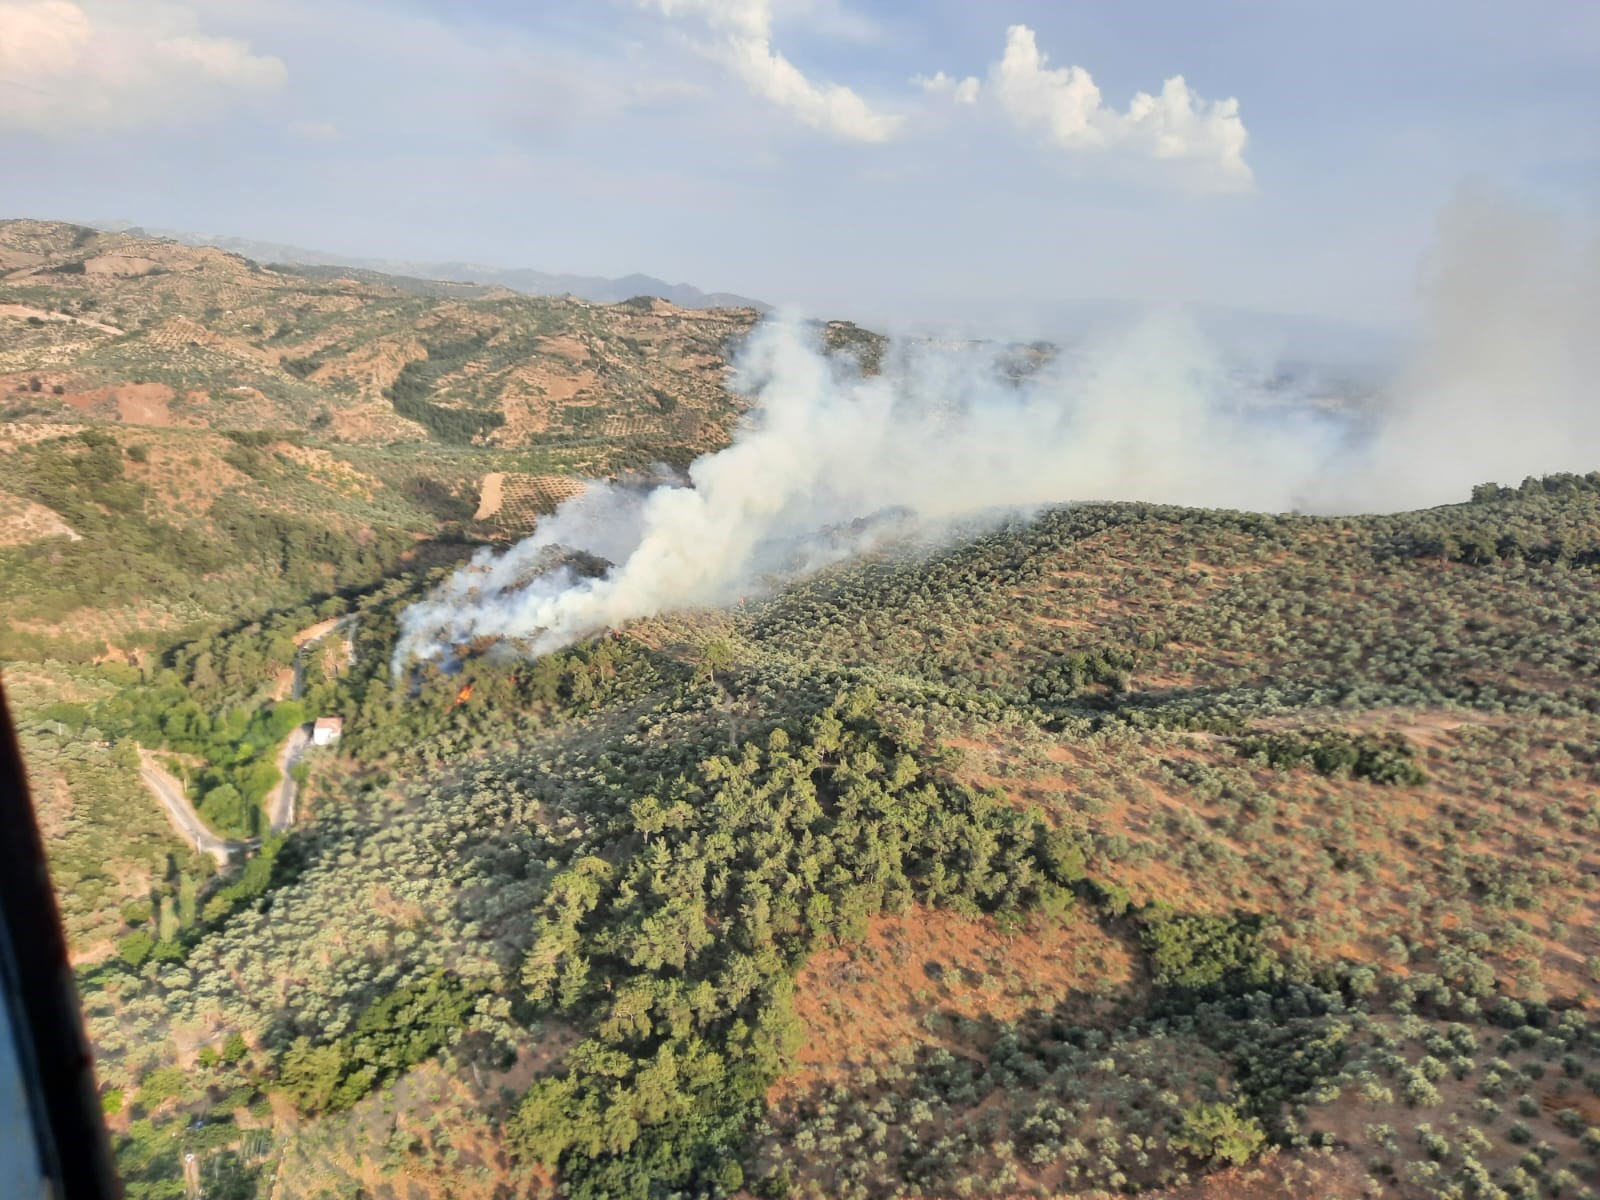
[
  {"x": 144, "y": 403},
  {"x": 859, "y": 1002},
  {"x": 1585, "y": 1103},
  {"x": 134, "y": 403}
]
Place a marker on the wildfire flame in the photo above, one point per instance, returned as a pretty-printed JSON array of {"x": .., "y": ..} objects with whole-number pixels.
[{"x": 464, "y": 694}]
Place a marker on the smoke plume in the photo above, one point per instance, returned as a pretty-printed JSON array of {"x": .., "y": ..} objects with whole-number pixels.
[
  {"x": 1506, "y": 382},
  {"x": 830, "y": 461}
]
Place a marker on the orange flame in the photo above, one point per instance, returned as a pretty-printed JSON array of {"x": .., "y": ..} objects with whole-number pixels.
[{"x": 464, "y": 694}]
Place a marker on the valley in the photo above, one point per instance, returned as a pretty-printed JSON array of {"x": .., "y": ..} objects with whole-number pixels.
[{"x": 1115, "y": 848}]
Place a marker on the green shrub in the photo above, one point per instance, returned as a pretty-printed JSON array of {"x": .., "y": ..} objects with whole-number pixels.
[
  {"x": 1386, "y": 760},
  {"x": 1217, "y": 1132},
  {"x": 1205, "y": 954},
  {"x": 160, "y": 1085},
  {"x": 135, "y": 947}
]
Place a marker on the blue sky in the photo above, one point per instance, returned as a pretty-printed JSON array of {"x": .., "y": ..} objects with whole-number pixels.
[{"x": 853, "y": 157}]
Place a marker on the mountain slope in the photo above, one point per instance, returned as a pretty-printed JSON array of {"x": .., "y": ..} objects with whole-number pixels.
[
  {"x": 597, "y": 289},
  {"x": 217, "y": 340},
  {"x": 1123, "y": 849},
  {"x": 1103, "y": 853}
]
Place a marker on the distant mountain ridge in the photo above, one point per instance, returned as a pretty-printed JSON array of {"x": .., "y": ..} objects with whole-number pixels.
[{"x": 594, "y": 288}]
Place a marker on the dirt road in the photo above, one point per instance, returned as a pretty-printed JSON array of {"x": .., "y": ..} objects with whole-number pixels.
[
  {"x": 310, "y": 637},
  {"x": 24, "y": 311},
  {"x": 280, "y": 805}
]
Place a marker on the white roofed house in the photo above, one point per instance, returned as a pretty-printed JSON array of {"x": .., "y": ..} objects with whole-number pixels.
[{"x": 326, "y": 731}]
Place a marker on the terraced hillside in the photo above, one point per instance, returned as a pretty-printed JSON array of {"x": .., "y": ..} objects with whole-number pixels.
[{"x": 119, "y": 328}]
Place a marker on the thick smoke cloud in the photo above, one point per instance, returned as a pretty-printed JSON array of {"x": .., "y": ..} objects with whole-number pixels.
[
  {"x": 831, "y": 461},
  {"x": 1507, "y": 380}
]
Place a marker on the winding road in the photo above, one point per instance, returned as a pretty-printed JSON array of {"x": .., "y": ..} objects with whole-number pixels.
[
  {"x": 280, "y": 802},
  {"x": 280, "y": 805},
  {"x": 181, "y": 813}
]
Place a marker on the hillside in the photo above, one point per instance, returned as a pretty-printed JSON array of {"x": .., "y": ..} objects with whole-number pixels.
[
  {"x": 192, "y": 442},
  {"x": 1132, "y": 848},
  {"x": 158, "y": 402},
  {"x": 595, "y": 288},
  {"x": 1121, "y": 849},
  {"x": 152, "y": 332}
]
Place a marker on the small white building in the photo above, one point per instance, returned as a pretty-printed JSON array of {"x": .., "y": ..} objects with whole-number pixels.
[{"x": 326, "y": 731}]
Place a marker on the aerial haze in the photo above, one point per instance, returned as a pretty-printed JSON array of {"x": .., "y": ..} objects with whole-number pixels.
[
  {"x": 930, "y": 165},
  {"x": 1500, "y": 385},
  {"x": 799, "y": 599}
]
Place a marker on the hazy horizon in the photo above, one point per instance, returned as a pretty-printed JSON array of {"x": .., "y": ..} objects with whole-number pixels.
[
  {"x": 1025, "y": 157},
  {"x": 1341, "y": 341}
]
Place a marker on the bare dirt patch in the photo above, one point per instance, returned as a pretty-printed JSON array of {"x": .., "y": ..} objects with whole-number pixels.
[
  {"x": 23, "y": 521},
  {"x": 490, "y": 499},
  {"x": 144, "y": 403},
  {"x": 1313, "y": 1175},
  {"x": 565, "y": 346},
  {"x": 312, "y": 632},
  {"x": 858, "y": 1003},
  {"x": 120, "y": 266}
]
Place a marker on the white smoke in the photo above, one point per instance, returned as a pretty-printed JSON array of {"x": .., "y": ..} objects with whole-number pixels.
[
  {"x": 1501, "y": 388},
  {"x": 1507, "y": 381}
]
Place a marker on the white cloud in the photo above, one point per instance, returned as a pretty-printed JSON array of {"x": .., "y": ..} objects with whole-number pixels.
[
  {"x": 1067, "y": 104},
  {"x": 1206, "y": 137},
  {"x": 740, "y": 37},
  {"x": 962, "y": 91},
  {"x": 67, "y": 67}
]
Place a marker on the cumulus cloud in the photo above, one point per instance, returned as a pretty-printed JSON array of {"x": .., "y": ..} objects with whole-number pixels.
[
  {"x": 962, "y": 91},
  {"x": 68, "y": 67},
  {"x": 738, "y": 33},
  {"x": 1206, "y": 137}
]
